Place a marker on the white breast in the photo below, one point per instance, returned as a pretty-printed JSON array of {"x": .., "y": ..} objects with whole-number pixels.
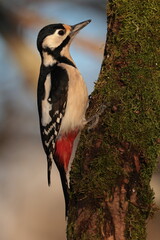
[{"x": 77, "y": 101}]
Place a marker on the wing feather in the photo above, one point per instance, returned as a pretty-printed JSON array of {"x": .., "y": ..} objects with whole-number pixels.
[{"x": 52, "y": 98}]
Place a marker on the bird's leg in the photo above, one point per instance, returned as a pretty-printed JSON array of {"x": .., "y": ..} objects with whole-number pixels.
[{"x": 93, "y": 121}]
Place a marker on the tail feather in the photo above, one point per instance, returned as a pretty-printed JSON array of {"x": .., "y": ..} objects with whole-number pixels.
[
  {"x": 63, "y": 180},
  {"x": 64, "y": 183},
  {"x": 62, "y": 155},
  {"x": 65, "y": 189},
  {"x": 49, "y": 161}
]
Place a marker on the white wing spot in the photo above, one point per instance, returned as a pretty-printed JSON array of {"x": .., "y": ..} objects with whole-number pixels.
[
  {"x": 57, "y": 112},
  {"x": 50, "y": 140},
  {"x": 46, "y": 106},
  {"x": 50, "y": 129},
  {"x": 58, "y": 120}
]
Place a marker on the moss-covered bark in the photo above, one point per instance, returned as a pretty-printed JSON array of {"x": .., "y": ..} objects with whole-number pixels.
[{"x": 110, "y": 194}]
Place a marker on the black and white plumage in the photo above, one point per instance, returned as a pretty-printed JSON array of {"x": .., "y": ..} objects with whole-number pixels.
[{"x": 62, "y": 97}]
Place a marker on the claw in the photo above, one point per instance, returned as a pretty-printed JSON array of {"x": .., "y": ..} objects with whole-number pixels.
[{"x": 95, "y": 119}]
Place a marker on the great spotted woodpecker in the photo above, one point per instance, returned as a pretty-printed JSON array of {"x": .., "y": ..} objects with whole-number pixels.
[{"x": 62, "y": 97}]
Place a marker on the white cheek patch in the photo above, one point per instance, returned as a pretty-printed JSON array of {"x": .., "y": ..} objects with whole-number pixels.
[
  {"x": 54, "y": 40},
  {"x": 46, "y": 106}
]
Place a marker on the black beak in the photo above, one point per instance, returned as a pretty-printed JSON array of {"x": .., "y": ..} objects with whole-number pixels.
[{"x": 77, "y": 27}]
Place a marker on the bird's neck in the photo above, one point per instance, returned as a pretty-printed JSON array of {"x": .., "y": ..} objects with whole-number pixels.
[
  {"x": 51, "y": 57},
  {"x": 48, "y": 59}
]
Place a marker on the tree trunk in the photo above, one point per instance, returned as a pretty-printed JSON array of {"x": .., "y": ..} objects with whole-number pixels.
[{"x": 110, "y": 194}]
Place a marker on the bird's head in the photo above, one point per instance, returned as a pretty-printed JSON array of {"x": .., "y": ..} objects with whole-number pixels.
[{"x": 55, "y": 37}]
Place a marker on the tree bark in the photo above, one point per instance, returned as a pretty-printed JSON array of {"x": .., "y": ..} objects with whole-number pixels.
[{"x": 110, "y": 196}]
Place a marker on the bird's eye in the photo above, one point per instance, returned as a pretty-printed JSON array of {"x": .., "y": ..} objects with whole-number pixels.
[{"x": 61, "y": 32}]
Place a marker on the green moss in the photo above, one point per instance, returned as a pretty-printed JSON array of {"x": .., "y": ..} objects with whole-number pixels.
[
  {"x": 129, "y": 86},
  {"x": 135, "y": 221},
  {"x": 132, "y": 76}
]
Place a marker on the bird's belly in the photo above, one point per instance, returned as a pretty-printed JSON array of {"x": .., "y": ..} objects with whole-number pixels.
[{"x": 77, "y": 103}]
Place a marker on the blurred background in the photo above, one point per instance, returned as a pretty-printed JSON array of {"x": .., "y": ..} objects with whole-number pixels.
[{"x": 29, "y": 209}]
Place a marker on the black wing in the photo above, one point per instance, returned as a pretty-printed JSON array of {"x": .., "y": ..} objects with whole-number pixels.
[{"x": 56, "y": 92}]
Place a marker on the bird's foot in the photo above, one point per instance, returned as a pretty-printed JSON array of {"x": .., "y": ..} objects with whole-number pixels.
[{"x": 93, "y": 121}]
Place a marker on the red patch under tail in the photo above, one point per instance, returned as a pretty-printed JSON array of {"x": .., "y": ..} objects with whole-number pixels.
[{"x": 64, "y": 147}]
